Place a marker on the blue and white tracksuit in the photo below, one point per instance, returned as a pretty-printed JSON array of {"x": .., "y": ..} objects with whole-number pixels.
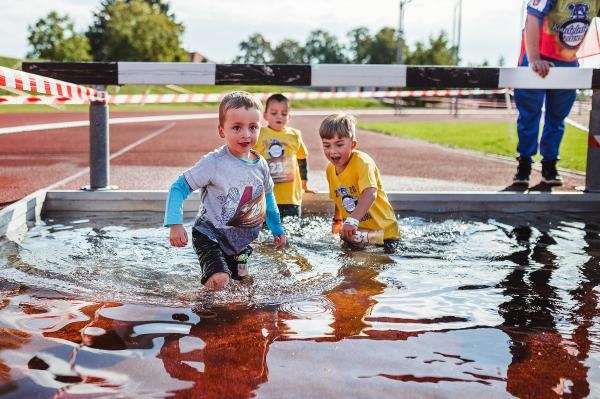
[
  {"x": 563, "y": 24},
  {"x": 558, "y": 105}
]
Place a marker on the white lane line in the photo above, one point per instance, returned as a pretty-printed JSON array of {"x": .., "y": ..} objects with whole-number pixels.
[
  {"x": 111, "y": 157},
  {"x": 42, "y": 126},
  {"x": 164, "y": 118},
  {"x": 141, "y": 141},
  {"x": 112, "y": 121}
]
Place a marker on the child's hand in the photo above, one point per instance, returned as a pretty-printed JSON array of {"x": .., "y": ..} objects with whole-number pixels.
[
  {"x": 306, "y": 189},
  {"x": 541, "y": 67},
  {"x": 178, "y": 235},
  {"x": 279, "y": 241},
  {"x": 348, "y": 231},
  {"x": 217, "y": 281}
]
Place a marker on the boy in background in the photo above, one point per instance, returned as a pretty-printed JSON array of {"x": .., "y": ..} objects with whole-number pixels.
[
  {"x": 355, "y": 185},
  {"x": 286, "y": 154},
  {"x": 236, "y": 193}
]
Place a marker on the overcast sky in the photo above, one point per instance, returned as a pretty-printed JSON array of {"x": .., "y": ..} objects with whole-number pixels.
[{"x": 490, "y": 29}]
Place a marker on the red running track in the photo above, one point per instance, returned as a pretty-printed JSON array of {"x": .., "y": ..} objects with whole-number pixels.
[{"x": 34, "y": 160}]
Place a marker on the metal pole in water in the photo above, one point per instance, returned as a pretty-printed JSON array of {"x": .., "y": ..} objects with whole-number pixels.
[
  {"x": 592, "y": 174},
  {"x": 99, "y": 145}
]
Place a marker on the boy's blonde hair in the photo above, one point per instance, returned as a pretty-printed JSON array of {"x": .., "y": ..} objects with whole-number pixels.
[
  {"x": 341, "y": 125},
  {"x": 235, "y": 100}
]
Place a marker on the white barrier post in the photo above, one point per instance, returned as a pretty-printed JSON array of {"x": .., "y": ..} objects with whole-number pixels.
[{"x": 592, "y": 175}]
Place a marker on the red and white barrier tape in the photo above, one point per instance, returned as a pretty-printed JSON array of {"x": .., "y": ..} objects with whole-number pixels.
[
  {"x": 19, "y": 80},
  {"x": 216, "y": 97}
]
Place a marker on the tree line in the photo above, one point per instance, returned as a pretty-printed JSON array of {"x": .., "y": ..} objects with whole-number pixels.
[
  {"x": 321, "y": 47},
  {"x": 147, "y": 30}
]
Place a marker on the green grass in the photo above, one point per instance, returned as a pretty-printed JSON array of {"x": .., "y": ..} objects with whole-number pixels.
[
  {"x": 491, "y": 138},
  {"x": 12, "y": 63},
  {"x": 9, "y": 62}
]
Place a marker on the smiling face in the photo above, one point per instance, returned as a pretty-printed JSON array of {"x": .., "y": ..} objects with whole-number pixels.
[
  {"x": 277, "y": 114},
  {"x": 338, "y": 151},
  {"x": 240, "y": 130}
]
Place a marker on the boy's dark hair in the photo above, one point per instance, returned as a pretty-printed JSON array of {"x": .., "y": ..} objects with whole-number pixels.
[
  {"x": 277, "y": 97},
  {"x": 341, "y": 125},
  {"x": 235, "y": 100}
]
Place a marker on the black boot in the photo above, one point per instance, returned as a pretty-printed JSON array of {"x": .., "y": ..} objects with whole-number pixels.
[
  {"x": 550, "y": 175},
  {"x": 523, "y": 172}
]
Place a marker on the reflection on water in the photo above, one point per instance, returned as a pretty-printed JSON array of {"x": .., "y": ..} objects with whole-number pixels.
[{"x": 471, "y": 306}]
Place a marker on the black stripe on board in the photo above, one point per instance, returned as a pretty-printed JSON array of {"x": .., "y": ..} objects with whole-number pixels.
[
  {"x": 83, "y": 73},
  {"x": 447, "y": 78},
  {"x": 257, "y": 74},
  {"x": 596, "y": 79}
]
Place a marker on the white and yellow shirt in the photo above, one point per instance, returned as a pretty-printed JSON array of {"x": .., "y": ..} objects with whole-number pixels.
[
  {"x": 282, "y": 149},
  {"x": 345, "y": 189}
]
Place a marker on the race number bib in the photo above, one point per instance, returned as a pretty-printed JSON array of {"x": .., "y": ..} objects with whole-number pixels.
[{"x": 282, "y": 169}]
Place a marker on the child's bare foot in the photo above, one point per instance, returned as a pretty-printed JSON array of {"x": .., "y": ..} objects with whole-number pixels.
[{"x": 217, "y": 281}]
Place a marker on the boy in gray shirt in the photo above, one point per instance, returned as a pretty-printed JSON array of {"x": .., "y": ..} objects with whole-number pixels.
[{"x": 236, "y": 190}]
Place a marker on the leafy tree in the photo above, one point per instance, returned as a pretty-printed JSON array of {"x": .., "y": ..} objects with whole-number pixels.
[
  {"x": 288, "y": 52},
  {"x": 53, "y": 37},
  {"x": 323, "y": 48},
  {"x": 135, "y": 30},
  {"x": 360, "y": 45},
  {"x": 383, "y": 47},
  {"x": 439, "y": 52},
  {"x": 255, "y": 50}
]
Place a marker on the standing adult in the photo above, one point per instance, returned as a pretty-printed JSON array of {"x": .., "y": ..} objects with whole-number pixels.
[{"x": 553, "y": 32}]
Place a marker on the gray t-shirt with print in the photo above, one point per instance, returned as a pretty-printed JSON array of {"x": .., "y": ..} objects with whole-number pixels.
[{"x": 232, "y": 193}]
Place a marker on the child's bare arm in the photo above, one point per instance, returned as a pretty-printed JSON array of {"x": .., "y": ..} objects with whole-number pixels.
[
  {"x": 273, "y": 221},
  {"x": 336, "y": 223},
  {"x": 306, "y": 189},
  {"x": 365, "y": 201},
  {"x": 303, "y": 167},
  {"x": 532, "y": 47},
  {"x": 178, "y": 192}
]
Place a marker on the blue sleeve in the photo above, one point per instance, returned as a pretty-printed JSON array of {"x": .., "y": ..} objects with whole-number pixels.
[
  {"x": 179, "y": 191},
  {"x": 540, "y": 9},
  {"x": 273, "y": 218}
]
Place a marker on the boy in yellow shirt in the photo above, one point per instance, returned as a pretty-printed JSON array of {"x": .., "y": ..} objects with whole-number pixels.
[
  {"x": 286, "y": 154},
  {"x": 355, "y": 185}
]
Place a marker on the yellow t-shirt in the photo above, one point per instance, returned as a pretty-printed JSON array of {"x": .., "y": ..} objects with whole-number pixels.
[
  {"x": 344, "y": 189},
  {"x": 282, "y": 149}
]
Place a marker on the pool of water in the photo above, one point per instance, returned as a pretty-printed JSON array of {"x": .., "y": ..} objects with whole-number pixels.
[{"x": 472, "y": 306}]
